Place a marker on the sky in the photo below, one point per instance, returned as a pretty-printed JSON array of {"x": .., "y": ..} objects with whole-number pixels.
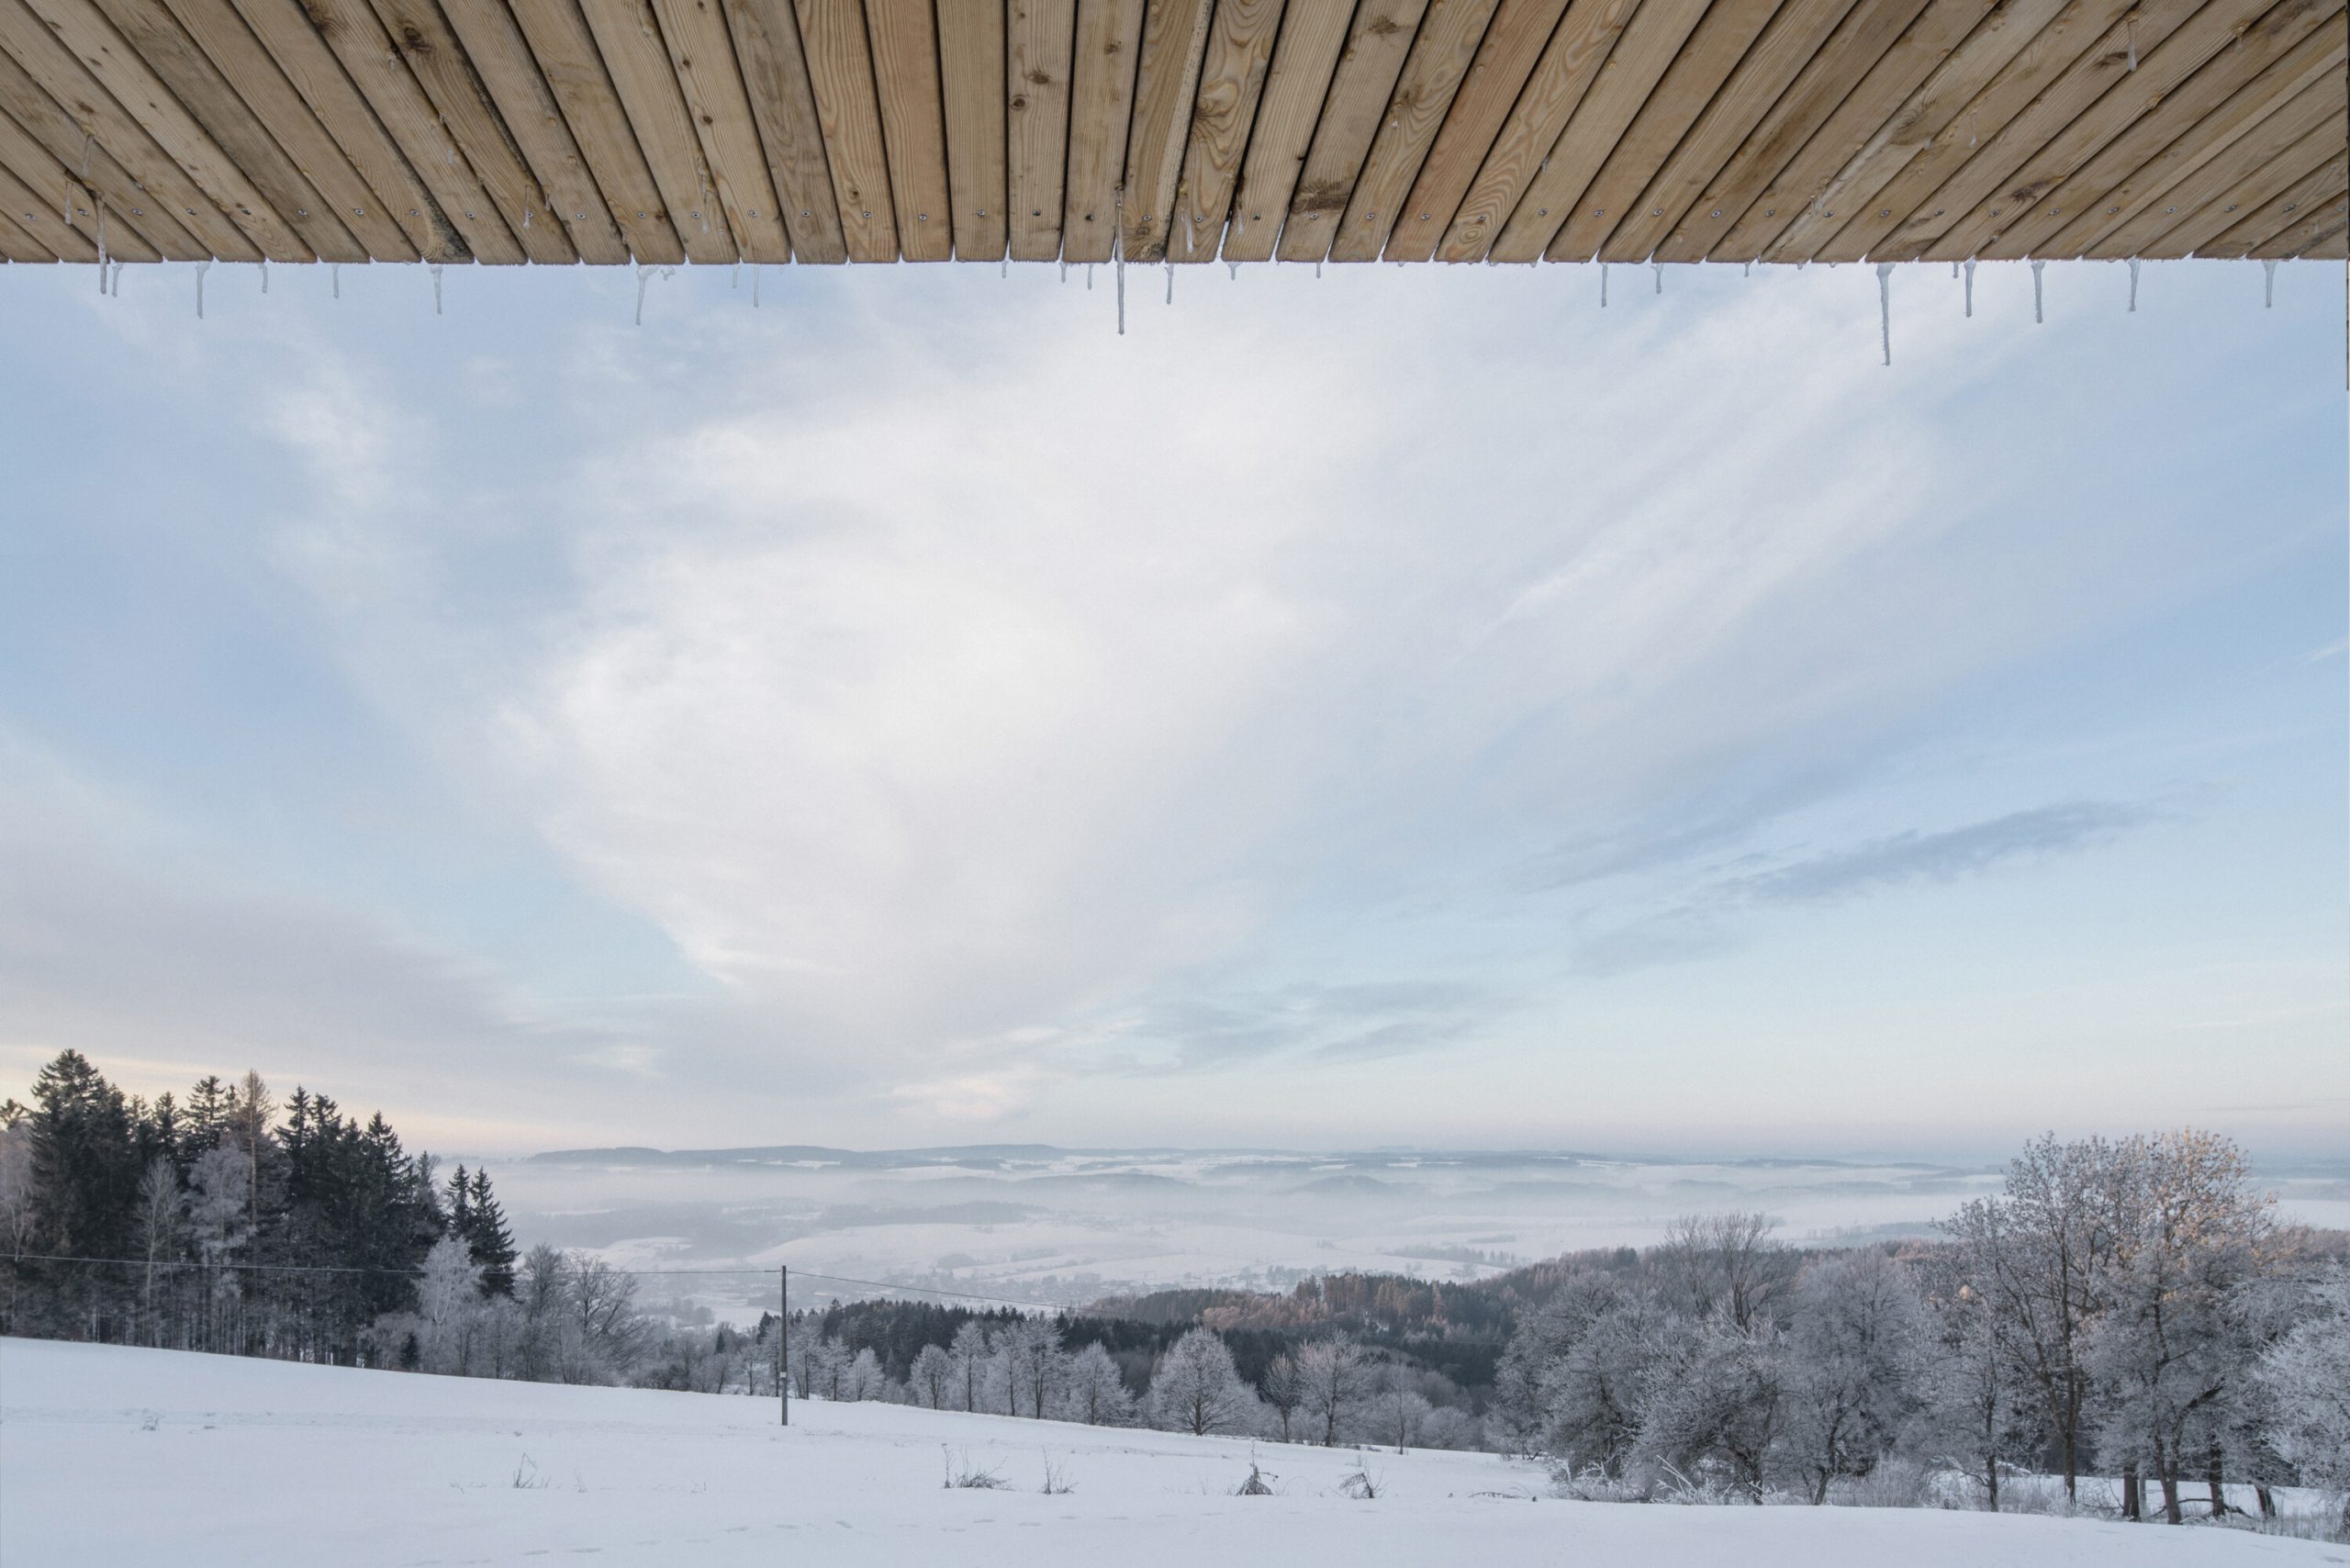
[{"x": 1405, "y": 707}]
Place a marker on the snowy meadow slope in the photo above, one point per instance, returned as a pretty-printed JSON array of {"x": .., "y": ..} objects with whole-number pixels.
[{"x": 119, "y": 1456}]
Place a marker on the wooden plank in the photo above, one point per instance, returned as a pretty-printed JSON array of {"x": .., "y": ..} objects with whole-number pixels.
[
  {"x": 783, "y": 104},
  {"x": 563, "y": 50},
  {"x": 1864, "y": 112},
  {"x": 1102, "y": 91},
  {"x": 1680, "y": 99},
  {"x": 636, "y": 57},
  {"x": 1433, "y": 73},
  {"x": 94, "y": 216},
  {"x": 286, "y": 33},
  {"x": 2048, "y": 31},
  {"x": 44, "y": 219},
  {"x": 1514, "y": 44},
  {"x": 2214, "y": 106},
  {"x": 1793, "y": 40},
  {"x": 1571, "y": 63},
  {"x": 1841, "y": 69},
  {"x": 567, "y": 191},
  {"x": 420, "y": 35},
  {"x": 1174, "y": 36},
  {"x": 1641, "y": 57},
  {"x": 2188, "y": 236},
  {"x": 701, "y": 56},
  {"x": 2031, "y": 189},
  {"x": 365, "y": 52},
  {"x": 2313, "y": 234},
  {"x": 840, "y": 75},
  {"x": 971, "y": 94},
  {"x": 163, "y": 47},
  {"x": 2301, "y": 204},
  {"x": 914, "y": 128},
  {"x": 2032, "y": 101},
  {"x": 15, "y": 245},
  {"x": 27, "y": 112},
  {"x": 2316, "y": 110},
  {"x": 49, "y": 66},
  {"x": 1377, "y": 43},
  {"x": 102, "y": 51},
  {"x": 251, "y": 82},
  {"x": 1039, "y": 53},
  {"x": 1312, "y": 34},
  {"x": 1231, "y": 79}
]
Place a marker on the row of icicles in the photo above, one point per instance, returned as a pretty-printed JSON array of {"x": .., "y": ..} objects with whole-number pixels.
[{"x": 110, "y": 282}]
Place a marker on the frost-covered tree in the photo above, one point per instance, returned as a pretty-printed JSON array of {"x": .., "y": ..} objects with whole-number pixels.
[
  {"x": 1195, "y": 1388},
  {"x": 932, "y": 1377},
  {"x": 1034, "y": 1367},
  {"x": 1094, "y": 1391},
  {"x": 974, "y": 1351},
  {"x": 1591, "y": 1395},
  {"x": 1334, "y": 1381},
  {"x": 2307, "y": 1376},
  {"x": 1717, "y": 1399},
  {"x": 1970, "y": 1422},
  {"x": 1283, "y": 1387},
  {"x": 1727, "y": 1264},
  {"x": 863, "y": 1378},
  {"x": 1853, "y": 1363}
]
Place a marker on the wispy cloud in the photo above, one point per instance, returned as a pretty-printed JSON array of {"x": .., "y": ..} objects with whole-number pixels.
[{"x": 2034, "y": 834}]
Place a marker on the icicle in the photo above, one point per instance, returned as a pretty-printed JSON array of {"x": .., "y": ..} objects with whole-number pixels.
[
  {"x": 1970, "y": 287},
  {"x": 1603, "y": 285},
  {"x": 1171, "y": 280},
  {"x": 1658, "y": 267},
  {"x": 2133, "y": 40},
  {"x": 2037, "y": 318},
  {"x": 1317, "y": 266},
  {"x": 643, "y": 276},
  {"x": 2268, "y": 291},
  {"x": 1884, "y": 307},
  {"x": 526, "y": 218},
  {"x": 1746, "y": 269},
  {"x": 754, "y": 285},
  {"x": 116, "y": 289},
  {"x": 1118, "y": 256},
  {"x": 335, "y": 276},
  {"x": 102, "y": 245},
  {"x": 1089, "y": 277},
  {"x": 436, "y": 288},
  {"x": 2133, "y": 285},
  {"x": 265, "y": 275},
  {"x": 1064, "y": 269},
  {"x": 734, "y": 277},
  {"x": 1235, "y": 268},
  {"x": 1007, "y": 265},
  {"x": 201, "y": 268}
]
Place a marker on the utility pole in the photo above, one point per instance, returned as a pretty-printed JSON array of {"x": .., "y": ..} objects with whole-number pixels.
[{"x": 782, "y": 1339}]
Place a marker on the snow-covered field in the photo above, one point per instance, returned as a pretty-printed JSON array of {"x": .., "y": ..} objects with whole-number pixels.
[{"x": 112, "y": 1456}]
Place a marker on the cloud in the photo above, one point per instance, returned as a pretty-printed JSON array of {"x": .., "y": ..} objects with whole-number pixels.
[
  {"x": 2035, "y": 835},
  {"x": 1710, "y": 922}
]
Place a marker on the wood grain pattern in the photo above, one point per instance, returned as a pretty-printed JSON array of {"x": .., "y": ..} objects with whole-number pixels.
[
  {"x": 30, "y": 113},
  {"x": 701, "y": 54},
  {"x": 2303, "y": 202},
  {"x": 1377, "y": 43},
  {"x": 95, "y": 217},
  {"x": 906, "y": 73},
  {"x": 1039, "y": 53},
  {"x": 1433, "y": 73},
  {"x": 1101, "y": 92},
  {"x": 564, "y": 50},
  {"x": 840, "y": 75},
  {"x": 1231, "y": 78},
  {"x": 1313, "y": 33},
  {"x": 1513, "y": 46},
  {"x": 783, "y": 108},
  {"x": 1174, "y": 36},
  {"x": 971, "y": 87},
  {"x": 1706, "y": 59},
  {"x": 1641, "y": 57}
]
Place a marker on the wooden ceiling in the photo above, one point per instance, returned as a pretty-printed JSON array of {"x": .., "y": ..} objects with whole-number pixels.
[{"x": 659, "y": 131}]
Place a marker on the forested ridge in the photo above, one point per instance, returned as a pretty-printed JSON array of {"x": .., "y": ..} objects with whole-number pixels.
[{"x": 2123, "y": 1311}]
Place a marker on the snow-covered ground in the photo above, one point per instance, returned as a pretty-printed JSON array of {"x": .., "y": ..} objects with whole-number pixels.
[{"x": 112, "y": 1456}]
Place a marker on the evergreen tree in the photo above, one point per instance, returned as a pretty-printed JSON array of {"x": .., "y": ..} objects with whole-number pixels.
[{"x": 488, "y": 1238}]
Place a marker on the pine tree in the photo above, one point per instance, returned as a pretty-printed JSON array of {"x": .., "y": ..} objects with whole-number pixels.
[{"x": 488, "y": 1238}]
